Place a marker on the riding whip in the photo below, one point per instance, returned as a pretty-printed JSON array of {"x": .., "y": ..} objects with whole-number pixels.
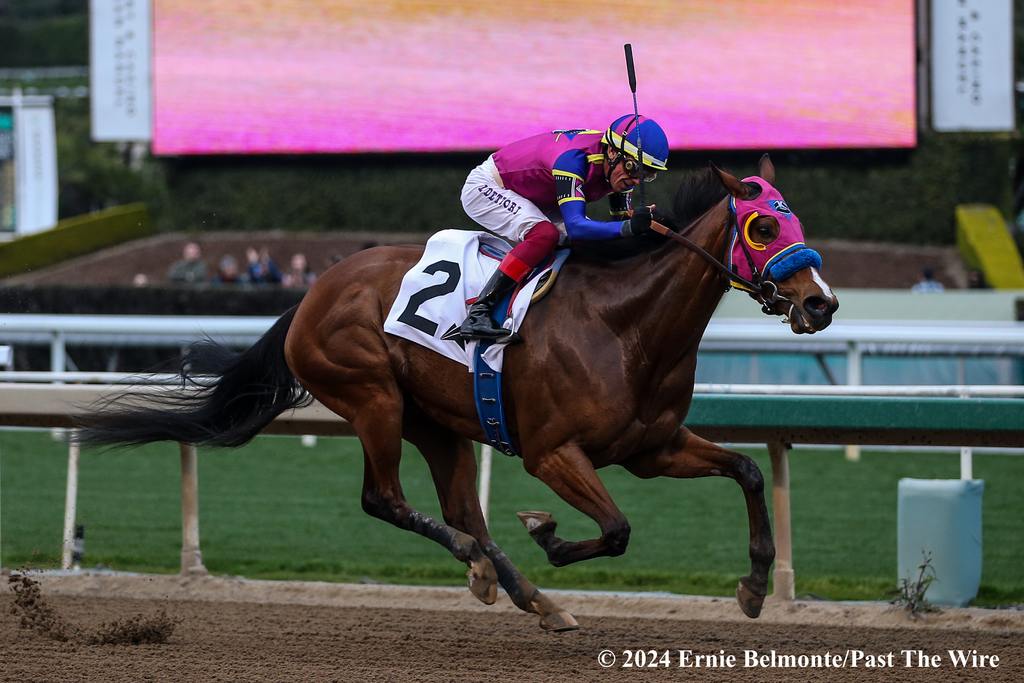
[{"x": 631, "y": 72}]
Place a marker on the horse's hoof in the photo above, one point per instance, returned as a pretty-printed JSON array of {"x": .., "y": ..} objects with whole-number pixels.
[
  {"x": 552, "y": 617},
  {"x": 537, "y": 521},
  {"x": 483, "y": 581},
  {"x": 750, "y": 602},
  {"x": 559, "y": 621}
]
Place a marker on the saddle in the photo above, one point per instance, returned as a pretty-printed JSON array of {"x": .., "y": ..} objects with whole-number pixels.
[
  {"x": 547, "y": 271},
  {"x": 431, "y": 305}
]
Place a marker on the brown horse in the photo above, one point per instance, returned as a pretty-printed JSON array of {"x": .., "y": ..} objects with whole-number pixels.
[{"x": 605, "y": 377}]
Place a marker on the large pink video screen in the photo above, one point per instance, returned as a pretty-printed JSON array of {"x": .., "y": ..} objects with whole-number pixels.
[{"x": 338, "y": 76}]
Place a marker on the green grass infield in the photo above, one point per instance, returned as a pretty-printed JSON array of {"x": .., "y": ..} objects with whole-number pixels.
[{"x": 278, "y": 510}]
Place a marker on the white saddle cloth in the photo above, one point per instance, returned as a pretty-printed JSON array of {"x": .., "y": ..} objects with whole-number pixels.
[{"x": 432, "y": 301}]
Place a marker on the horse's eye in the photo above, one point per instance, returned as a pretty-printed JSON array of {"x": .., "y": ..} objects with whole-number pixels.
[{"x": 764, "y": 230}]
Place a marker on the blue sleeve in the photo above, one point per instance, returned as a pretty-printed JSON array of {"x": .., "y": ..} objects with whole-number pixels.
[
  {"x": 580, "y": 228},
  {"x": 569, "y": 170}
]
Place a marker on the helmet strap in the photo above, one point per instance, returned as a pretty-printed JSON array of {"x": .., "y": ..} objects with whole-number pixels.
[{"x": 612, "y": 163}]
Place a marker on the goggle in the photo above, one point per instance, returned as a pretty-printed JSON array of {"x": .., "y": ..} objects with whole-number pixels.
[{"x": 637, "y": 170}]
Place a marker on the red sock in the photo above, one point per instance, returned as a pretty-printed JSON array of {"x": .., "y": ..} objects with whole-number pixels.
[{"x": 538, "y": 244}]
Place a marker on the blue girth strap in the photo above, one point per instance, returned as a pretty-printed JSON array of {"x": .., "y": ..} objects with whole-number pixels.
[
  {"x": 487, "y": 381},
  {"x": 487, "y": 392}
]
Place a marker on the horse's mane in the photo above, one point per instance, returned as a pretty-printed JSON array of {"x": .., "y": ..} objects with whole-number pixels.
[{"x": 698, "y": 191}]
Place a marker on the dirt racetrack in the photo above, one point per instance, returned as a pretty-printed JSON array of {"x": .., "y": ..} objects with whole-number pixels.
[{"x": 233, "y": 630}]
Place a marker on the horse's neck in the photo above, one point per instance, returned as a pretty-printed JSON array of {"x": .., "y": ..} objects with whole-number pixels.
[{"x": 684, "y": 290}]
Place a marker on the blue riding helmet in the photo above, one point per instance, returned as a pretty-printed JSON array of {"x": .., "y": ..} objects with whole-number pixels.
[{"x": 624, "y": 135}]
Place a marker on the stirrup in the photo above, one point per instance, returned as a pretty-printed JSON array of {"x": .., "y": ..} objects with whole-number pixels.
[
  {"x": 507, "y": 338},
  {"x": 470, "y": 331},
  {"x": 473, "y": 327}
]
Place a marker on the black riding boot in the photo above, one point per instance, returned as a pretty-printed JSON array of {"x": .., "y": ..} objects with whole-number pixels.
[{"x": 478, "y": 323}]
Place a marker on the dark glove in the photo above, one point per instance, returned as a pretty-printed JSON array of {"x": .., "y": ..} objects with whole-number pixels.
[{"x": 640, "y": 222}]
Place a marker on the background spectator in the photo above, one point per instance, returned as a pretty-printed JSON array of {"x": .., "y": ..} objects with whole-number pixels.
[
  {"x": 191, "y": 269},
  {"x": 228, "y": 272},
  {"x": 976, "y": 280},
  {"x": 261, "y": 268},
  {"x": 927, "y": 284},
  {"x": 299, "y": 273}
]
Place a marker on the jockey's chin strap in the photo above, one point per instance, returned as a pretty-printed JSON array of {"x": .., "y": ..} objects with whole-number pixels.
[
  {"x": 761, "y": 288},
  {"x": 620, "y": 155}
]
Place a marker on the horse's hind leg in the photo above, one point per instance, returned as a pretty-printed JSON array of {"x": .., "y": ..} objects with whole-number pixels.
[
  {"x": 453, "y": 468},
  {"x": 691, "y": 456},
  {"x": 379, "y": 427}
]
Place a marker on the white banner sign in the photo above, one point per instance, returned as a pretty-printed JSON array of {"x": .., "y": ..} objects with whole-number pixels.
[
  {"x": 972, "y": 65},
  {"x": 119, "y": 69},
  {"x": 35, "y": 157}
]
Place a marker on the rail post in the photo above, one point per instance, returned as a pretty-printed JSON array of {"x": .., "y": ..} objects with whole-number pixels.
[
  {"x": 966, "y": 455},
  {"x": 484, "y": 493},
  {"x": 58, "y": 351},
  {"x": 783, "y": 577},
  {"x": 70, "y": 505},
  {"x": 191, "y": 556},
  {"x": 854, "y": 377}
]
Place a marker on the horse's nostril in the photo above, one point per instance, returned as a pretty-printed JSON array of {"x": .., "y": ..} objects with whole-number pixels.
[{"x": 816, "y": 306}]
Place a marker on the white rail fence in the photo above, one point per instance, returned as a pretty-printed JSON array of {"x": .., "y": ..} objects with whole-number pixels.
[{"x": 854, "y": 338}]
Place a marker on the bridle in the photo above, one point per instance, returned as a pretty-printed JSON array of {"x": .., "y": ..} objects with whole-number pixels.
[{"x": 762, "y": 288}]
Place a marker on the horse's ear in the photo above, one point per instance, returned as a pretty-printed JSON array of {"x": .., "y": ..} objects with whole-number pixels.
[
  {"x": 734, "y": 185},
  {"x": 766, "y": 169}
]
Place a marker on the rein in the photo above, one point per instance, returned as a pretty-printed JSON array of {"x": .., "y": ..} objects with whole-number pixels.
[{"x": 765, "y": 290}]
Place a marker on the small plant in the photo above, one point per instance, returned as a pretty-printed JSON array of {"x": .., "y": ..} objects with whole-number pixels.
[{"x": 910, "y": 594}]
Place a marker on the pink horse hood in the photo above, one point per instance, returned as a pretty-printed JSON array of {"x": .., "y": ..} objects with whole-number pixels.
[{"x": 785, "y": 255}]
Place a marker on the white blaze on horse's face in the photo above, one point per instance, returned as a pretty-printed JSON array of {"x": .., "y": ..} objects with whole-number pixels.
[
  {"x": 825, "y": 289},
  {"x": 808, "y": 302}
]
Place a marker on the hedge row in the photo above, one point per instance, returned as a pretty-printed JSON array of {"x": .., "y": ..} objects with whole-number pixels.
[
  {"x": 906, "y": 196},
  {"x": 44, "y": 41},
  {"x": 94, "y": 176},
  {"x": 74, "y": 237}
]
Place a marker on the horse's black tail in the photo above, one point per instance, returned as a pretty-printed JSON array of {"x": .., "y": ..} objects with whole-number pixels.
[{"x": 224, "y": 399}]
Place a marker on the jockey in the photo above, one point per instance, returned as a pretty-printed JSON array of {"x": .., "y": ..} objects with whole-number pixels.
[{"x": 533, "y": 193}]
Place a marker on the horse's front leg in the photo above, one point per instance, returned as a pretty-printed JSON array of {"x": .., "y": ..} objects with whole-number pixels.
[
  {"x": 689, "y": 456},
  {"x": 569, "y": 473}
]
